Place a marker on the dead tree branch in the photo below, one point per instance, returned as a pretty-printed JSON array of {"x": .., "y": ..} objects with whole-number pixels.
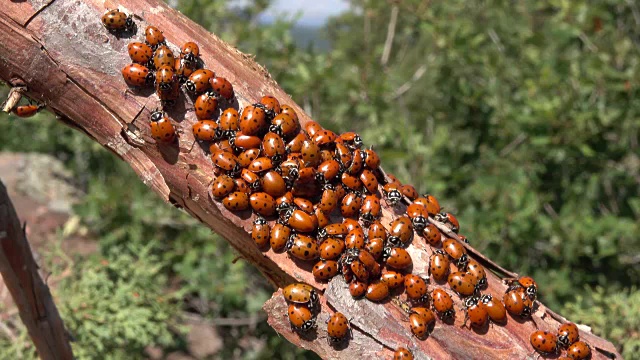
[{"x": 31, "y": 295}]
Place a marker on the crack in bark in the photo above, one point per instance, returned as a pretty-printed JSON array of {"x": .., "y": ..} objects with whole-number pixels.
[{"x": 26, "y": 24}]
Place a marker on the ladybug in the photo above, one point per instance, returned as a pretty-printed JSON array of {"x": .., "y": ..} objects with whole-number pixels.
[
  {"x": 351, "y": 138},
  {"x": 301, "y": 318},
  {"x": 495, "y": 308},
  {"x": 443, "y": 303},
  {"x": 262, "y": 203},
  {"x": 376, "y": 230},
  {"x": 273, "y": 184},
  {"x": 336, "y": 230},
  {"x": 371, "y": 159},
  {"x": 397, "y": 258},
  {"x": 351, "y": 205},
  {"x": 260, "y": 164},
  {"x": 433, "y": 206},
  {"x": 409, "y": 191},
  {"x": 270, "y": 104},
  {"x": 285, "y": 202},
  {"x": 393, "y": 279},
  {"x": 392, "y": 193},
  {"x": 242, "y": 186},
  {"x": 377, "y": 291},
  {"x": 300, "y": 221},
  {"x": 475, "y": 269},
  {"x": 305, "y": 176},
  {"x": 370, "y": 209},
  {"x": 476, "y": 312},
  {"x": 164, "y": 78},
  {"x": 328, "y": 170},
  {"x": 286, "y": 109},
  {"x": 343, "y": 154},
  {"x": 163, "y": 56},
  {"x": 369, "y": 262},
  {"x": 279, "y": 236},
  {"x": 400, "y": 231},
  {"x": 328, "y": 200},
  {"x": 225, "y": 161},
  {"x": 432, "y": 235},
  {"x": 375, "y": 246},
  {"x": 303, "y": 247},
  {"x": 357, "y": 163},
  {"x": 331, "y": 248},
  {"x": 25, "y": 111},
  {"x": 416, "y": 288},
  {"x": 425, "y": 313},
  {"x": 354, "y": 239},
  {"x": 359, "y": 270},
  {"x": 190, "y": 52},
  {"x": 220, "y": 145},
  {"x": 199, "y": 80},
  {"x": 402, "y": 354},
  {"x": 206, "y": 105},
  {"x": 462, "y": 283},
  {"x": 154, "y": 37},
  {"x": 352, "y": 224},
  {"x": 568, "y": 334},
  {"x": 242, "y": 141},
  {"x": 169, "y": 96},
  {"x": 324, "y": 137},
  {"x": 337, "y": 328},
  {"x": 222, "y": 186},
  {"x": 229, "y": 121},
  {"x": 528, "y": 284},
  {"x": 448, "y": 218},
  {"x": 324, "y": 270},
  {"x": 303, "y": 204},
  {"x": 137, "y": 75},
  {"x": 260, "y": 232},
  {"x": 351, "y": 182},
  {"x": 116, "y": 20},
  {"x": 246, "y": 157},
  {"x": 439, "y": 265},
  {"x": 253, "y": 120},
  {"x": 579, "y": 350},
  {"x": 419, "y": 326},
  {"x": 310, "y": 153},
  {"x": 236, "y": 201},
  {"x": 273, "y": 146},
  {"x": 250, "y": 178},
  {"x": 514, "y": 302},
  {"x": 205, "y": 130},
  {"x": 285, "y": 126},
  {"x": 418, "y": 215},
  {"x": 222, "y": 87},
  {"x": 301, "y": 293},
  {"x": 369, "y": 181},
  {"x": 139, "y": 52},
  {"x": 182, "y": 71},
  {"x": 161, "y": 128},
  {"x": 357, "y": 289},
  {"x": 544, "y": 342},
  {"x": 456, "y": 251}
]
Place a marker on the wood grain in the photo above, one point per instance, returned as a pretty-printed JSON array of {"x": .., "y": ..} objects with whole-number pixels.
[{"x": 70, "y": 62}]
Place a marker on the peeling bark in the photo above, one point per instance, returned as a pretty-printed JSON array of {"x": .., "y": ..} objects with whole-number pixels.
[{"x": 67, "y": 60}]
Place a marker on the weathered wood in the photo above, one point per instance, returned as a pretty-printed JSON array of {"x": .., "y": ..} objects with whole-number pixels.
[
  {"x": 70, "y": 62},
  {"x": 20, "y": 273}
]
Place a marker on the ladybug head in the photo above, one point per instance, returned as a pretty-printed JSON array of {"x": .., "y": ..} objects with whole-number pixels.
[
  {"x": 190, "y": 86},
  {"x": 471, "y": 301},
  {"x": 129, "y": 23},
  {"x": 164, "y": 86},
  {"x": 157, "y": 115}
]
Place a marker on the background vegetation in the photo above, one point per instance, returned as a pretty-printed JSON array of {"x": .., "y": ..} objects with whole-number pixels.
[{"x": 521, "y": 117}]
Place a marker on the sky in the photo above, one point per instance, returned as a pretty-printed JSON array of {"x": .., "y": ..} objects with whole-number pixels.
[{"x": 313, "y": 12}]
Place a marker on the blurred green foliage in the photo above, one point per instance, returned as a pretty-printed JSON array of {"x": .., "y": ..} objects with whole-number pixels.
[{"x": 521, "y": 117}]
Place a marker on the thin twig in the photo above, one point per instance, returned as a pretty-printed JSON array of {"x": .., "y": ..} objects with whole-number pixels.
[{"x": 391, "y": 33}]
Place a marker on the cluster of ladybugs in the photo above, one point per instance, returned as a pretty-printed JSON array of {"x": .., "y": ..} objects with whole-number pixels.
[{"x": 304, "y": 179}]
